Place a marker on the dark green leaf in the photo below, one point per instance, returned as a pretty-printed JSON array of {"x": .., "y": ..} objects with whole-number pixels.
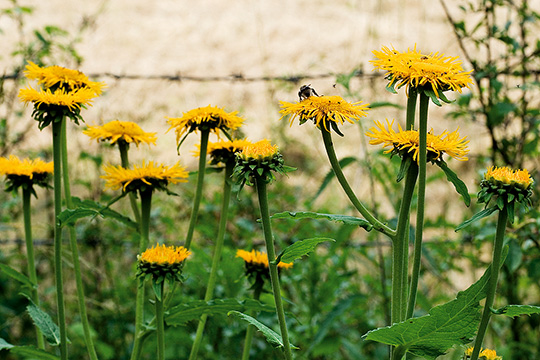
[
  {"x": 480, "y": 215},
  {"x": 460, "y": 186},
  {"x": 272, "y": 337},
  {"x": 192, "y": 310},
  {"x": 70, "y": 216},
  {"x": 32, "y": 352},
  {"x": 44, "y": 322},
  {"x": 379, "y": 104},
  {"x": 299, "y": 249},
  {"x": 403, "y": 168},
  {"x": 345, "y": 219},
  {"x": 5, "y": 345},
  {"x": 517, "y": 310},
  {"x": 23, "y": 279},
  {"x": 105, "y": 211}
]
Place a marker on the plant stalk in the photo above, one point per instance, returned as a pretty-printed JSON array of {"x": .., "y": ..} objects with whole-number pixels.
[
  {"x": 274, "y": 278},
  {"x": 160, "y": 326},
  {"x": 123, "y": 146},
  {"x": 216, "y": 257},
  {"x": 32, "y": 275},
  {"x": 492, "y": 285},
  {"x": 251, "y": 329}
]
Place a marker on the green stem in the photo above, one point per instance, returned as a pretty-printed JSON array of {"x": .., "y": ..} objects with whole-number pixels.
[
  {"x": 198, "y": 192},
  {"x": 329, "y": 146},
  {"x": 411, "y": 108},
  {"x": 160, "y": 326},
  {"x": 57, "y": 159},
  {"x": 216, "y": 257},
  {"x": 492, "y": 285},
  {"x": 274, "y": 278},
  {"x": 422, "y": 162},
  {"x": 75, "y": 251},
  {"x": 400, "y": 243},
  {"x": 251, "y": 329},
  {"x": 32, "y": 275},
  {"x": 123, "y": 146},
  {"x": 146, "y": 206}
]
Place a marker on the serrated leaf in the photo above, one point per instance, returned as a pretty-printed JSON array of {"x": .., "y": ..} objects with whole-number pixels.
[
  {"x": 5, "y": 345},
  {"x": 460, "y": 186},
  {"x": 299, "y": 249},
  {"x": 45, "y": 323},
  {"x": 70, "y": 216},
  {"x": 345, "y": 219},
  {"x": 446, "y": 325},
  {"x": 517, "y": 310},
  {"x": 14, "y": 274},
  {"x": 32, "y": 352},
  {"x": 193, "y": 310},
  {"x": 331, "y": 174},
  {"x": 479, "y": 215},
  {"x": 105, "y": 211},
  {"x": 272, "y": 337}
]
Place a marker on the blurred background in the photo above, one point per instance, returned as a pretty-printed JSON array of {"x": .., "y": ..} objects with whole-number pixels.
[{"x": 166, "y": 57}]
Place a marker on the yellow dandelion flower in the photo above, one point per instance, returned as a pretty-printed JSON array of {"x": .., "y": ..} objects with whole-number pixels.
[
  {"x": 223, "y": 151},
  {"x": 324, "y": 110},
  {"x": 488, "y": 354},
  {"x": 210, "y": 117},
  {"x": 164, "y": 255},
  {"x": 259, "y": 259},
  {"x": 414, "y": 69},
  {"x": 505, "y": 175},
  {"x": 408, "y": 142},
  {"x": 116, "y": 130},
  {"x": 13, "y": 166},
  {"x": 260, "y": 150},
  {"x": 469, "y": 351},
  {"x": 72, "y": 99},
  {"x": 57, "y": 76},
  {"x": 151, "y": 174}
]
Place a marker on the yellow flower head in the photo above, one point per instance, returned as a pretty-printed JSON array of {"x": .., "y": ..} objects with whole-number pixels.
[
  {"x": 162, "y": 262},
  {"x": 505, "y": 175},
  {"x": 259, "y": 259},
  {"x": 73, "y": 100},
  {"x": 406, "y": 142},
  {"x": 324, "y": 110},
  {"x": 25, "y": 172},
  {"x": 53, "y": 77},
  {"x": 261, "y": 150},
  {"x": 222, "y": 152},
  {"x": 148, "y": 174},
  {"x": 116, "y": 130},
  {"x": 209, "y": 117},
  {"x": 488, "y": 354},
  {"x": 414, "y": 69}
]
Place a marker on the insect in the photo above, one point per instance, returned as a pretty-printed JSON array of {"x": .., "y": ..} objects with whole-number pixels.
[{"x": 306, "y": 91}]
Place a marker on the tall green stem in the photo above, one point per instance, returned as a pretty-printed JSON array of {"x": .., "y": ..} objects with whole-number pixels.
[
  {"x": 329, "y": 146},
  {"x": 75, "y": 251},
  {"x": 422, "y": 161},
  {"x": 57, "y": 159},
  {"x": 160, "y": 326},
  {"x": 492, "y": 285},
  {"x": 274, "y": 278},
  {"x": 251, "y": 329},
  {"x": 198, "y": 192},
  {"x": 146, "y": 207},
  {"x": 27, "y": 214},
  {"x": 400, "y": 243},
  {"x": 123, "y": 146},
  {"x": 216, "y": 257},
  {"x": 411, "y": 108}
]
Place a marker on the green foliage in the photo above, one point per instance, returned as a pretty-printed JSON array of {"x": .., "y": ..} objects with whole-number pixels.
[
  {"x": 271, "y": 336},
  {"x": 299, "y": 249},
  {"x": 344, "y": 219},
  {"x": 14, "y": 274},
  {"x": 460, "y": 186},
  {"x": 43, "y": 321},
  {"x": 517, "y": 310}
]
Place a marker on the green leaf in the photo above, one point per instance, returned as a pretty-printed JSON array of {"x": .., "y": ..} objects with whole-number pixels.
[
  {"x": 32, "y": 352},
  {"x": 480, "y": 215},
  {"x": 105, "y": 211},
  {"x": 5, "y": 345},
  {"x": 330, "y": 175},
  {"x": 70, "y": 216},
  {"x": 403, "y": 168},
  {"x": 446, "y": 325},
  {"x": 517, "y": 310},
  {"x": 23, "y": 279},
  {"x": 44, "y": 322},
  {"x": 460, "y": 186},
  {"x": 272, "y": 337},
  {"x": 193, "y": 310},
  {"x": 299, "y": 249},
  {"x": 345, "y": 219}
]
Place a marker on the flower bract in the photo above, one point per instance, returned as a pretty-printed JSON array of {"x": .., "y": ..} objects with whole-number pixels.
[
  {"x": 210, "y": 117},
  {"x": 256, "y": 264},
  {"x": 162, "y": 262},
  {"x": 407, "y": 142},
  {"x": 432, "y": 72},
  {"x": 25, "y": 172},
  {"x": 152, "y": 175},
  {"x": 325, "y": 110},
  {"x": 116, "y": 130}
]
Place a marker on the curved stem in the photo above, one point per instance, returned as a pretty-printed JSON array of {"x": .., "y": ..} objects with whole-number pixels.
[
  {"x": 274, "y": 278},
  {"x": 124, "y": 147},
  {"x": 75, "y": 252},
  {"x": 198, "y": 191},
  {"x": 329, "y": 146},
  {"x": 492, "y": 285},
  {"x": 57, "y": 159},
  {"x": 422, "y": 161},
  {"x": 216, "y": 257},
  {"x": 400, "y": 243},
  {"x": 411, "y": 108},
  {"x": 146, "y": 206},
  {"x": 160, "y": 327},
  {"x": 251, "y": 329},
  {"x": 27, "y": 214}
]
